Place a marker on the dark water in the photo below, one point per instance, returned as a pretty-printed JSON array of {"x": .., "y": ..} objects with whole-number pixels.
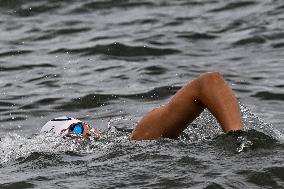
[{"x": 108, "y": 62}]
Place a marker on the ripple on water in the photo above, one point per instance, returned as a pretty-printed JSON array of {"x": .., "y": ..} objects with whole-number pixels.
[
  {"x": 14, "y": 53},
  {"x": 120, "y": 50},
  {"x": 250, "y": 40},
  {"x": 103, "y": 69},
  {"x": 265, "y": 177},
  {"x": 97, "y": 100},
  {"x": 197, "y": 36},
  {"x": 265, "y": 95},
  {"x": 56, "y": 33},
  {"x": 42, "y": 102},
  {"x": 67, "y": 31},
  {"x": 44, "y": 77},
  {"x": 26, "y": 67},
  {"x": 234, "y": 5},
  {"x": 40, "y": 160},
  {"x": 154, "y": 70},
  {"x": 139, "y": 22},
  {"x": 214, "y": 185},
  {"x": 111, "y": 4},
  {"x": 278, "y": 45},
  {"x": 20, "y": 184}
]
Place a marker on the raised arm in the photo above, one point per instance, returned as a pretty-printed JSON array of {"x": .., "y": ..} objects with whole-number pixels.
[{"x": 209, "y": 91}]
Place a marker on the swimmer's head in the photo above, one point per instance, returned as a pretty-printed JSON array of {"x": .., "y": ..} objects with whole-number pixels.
[{"x": 69, "y": 127}]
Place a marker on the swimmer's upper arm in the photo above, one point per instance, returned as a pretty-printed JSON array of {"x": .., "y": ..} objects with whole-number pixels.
[
  {"x": 150, "y": 127},
  {"x": 164, "y": 122},
  {"x": 170, "y": 120}
]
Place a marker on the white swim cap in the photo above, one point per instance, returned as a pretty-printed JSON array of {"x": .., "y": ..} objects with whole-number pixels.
[{"x": 59, "y": 125}]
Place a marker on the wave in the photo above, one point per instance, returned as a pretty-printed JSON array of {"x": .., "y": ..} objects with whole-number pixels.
[
  {"x": 119, "y": 49},
  {"x": 197, "y": 36},
  {"x": 15, "y": 53},
  {"x": 250, "y": 40},
  {"x": 266, "y": 177},
  {"x": 278, "y": 45},
  {"x": 42, "y": 102},
  {"x": 110, "y": 4},
  {"x": 18, "y": 8},
  {"x": 19, "y": 184},
  {"x": 265, "y": 95},
  {"x": 139, "y": 22},
  {"x": 22, "y": 149},
  {"x": 234, "y": 5},
  {"x": 26, "y": 67},
  {"x": 97, "y": 100}
]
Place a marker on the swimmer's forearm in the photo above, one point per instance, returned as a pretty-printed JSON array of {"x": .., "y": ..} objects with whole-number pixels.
[
  {"x": 208, "y": 91},
  {"x": 221, "y": 101}
]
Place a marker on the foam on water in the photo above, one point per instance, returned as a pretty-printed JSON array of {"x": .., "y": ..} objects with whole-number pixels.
[
  {"x": 251, "y": 121},
  {"x": 14, "y": 146},
  {"x": 204, "y": 128}
]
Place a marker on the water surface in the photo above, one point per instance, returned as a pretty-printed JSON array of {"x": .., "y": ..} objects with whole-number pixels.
[{"x": 110, "y": 60}]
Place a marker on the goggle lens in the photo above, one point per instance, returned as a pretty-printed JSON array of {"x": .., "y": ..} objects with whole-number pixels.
[{"x": 78, "y": 129}]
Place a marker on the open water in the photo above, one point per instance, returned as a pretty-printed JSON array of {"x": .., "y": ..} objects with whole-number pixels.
[{"x": 108, "y": 62}]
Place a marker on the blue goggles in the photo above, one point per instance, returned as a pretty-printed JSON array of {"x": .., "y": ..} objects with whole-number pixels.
[{"x": 77, "y": 129}]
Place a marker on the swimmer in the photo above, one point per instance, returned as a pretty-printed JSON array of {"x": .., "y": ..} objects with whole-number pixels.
[{"x": 209, "y": 91}]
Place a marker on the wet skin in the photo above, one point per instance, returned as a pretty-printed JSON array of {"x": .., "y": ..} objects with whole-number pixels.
[{"x": 209, "y": 91}]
